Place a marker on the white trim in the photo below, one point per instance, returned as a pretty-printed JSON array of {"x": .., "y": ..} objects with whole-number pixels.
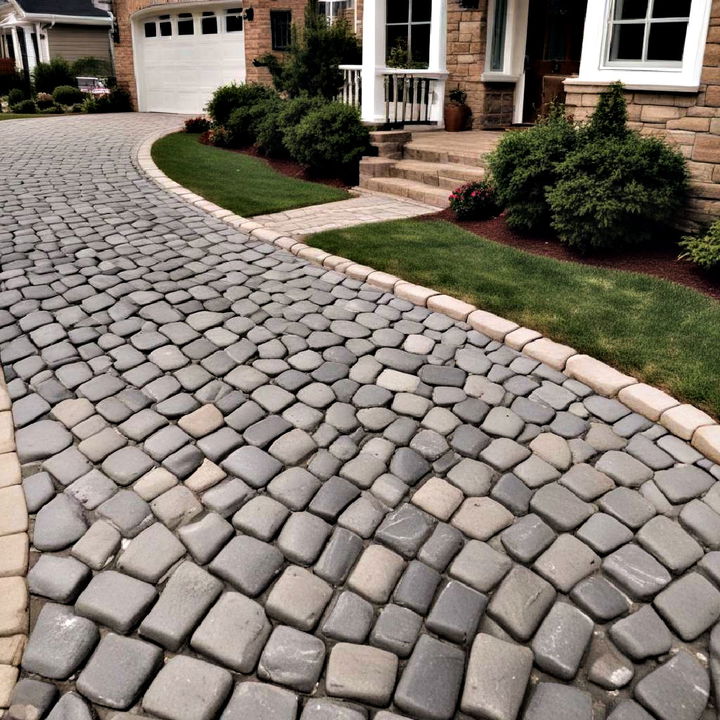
[
  {"x": 596, "y": 68},
  {"x": 515, "y": 41}
]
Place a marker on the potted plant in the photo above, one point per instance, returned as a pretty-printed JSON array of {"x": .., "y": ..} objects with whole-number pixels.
[{"x": 456, "y": 111}]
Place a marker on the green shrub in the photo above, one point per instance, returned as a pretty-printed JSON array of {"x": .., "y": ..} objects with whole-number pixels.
[
  {"x": 13, "y": 80},
  {"x": 271, "y": 129},
  {"x": 614, "y": 191},
  {"x": 44, "y": 100},
  {"x": 24, "y": 107},
  {"x": 524, "y": 165},
  {"x": 244, "y": 121},
  {"x": 331, "y": 138},
  {"x": 67, "y": 95},
  {"x": 610, "y": 116},
  {"x": 52, "y": 110},
  {"x": 16, "y": 95},
  {"x": 197, "y": 125},
  {"x": 310, "y": 65},
  {"x": 91, "y": 67},
  {"x": 118, "y": 100},
  {"x": 48, "y": 76},
  {"x": 704, "y": 250},
  {"x": 474, "y": 201},
  {"x": 228, "y": 98}
]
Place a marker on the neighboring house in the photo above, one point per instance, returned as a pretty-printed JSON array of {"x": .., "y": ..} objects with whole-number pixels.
[
  {"x": 172, "y": 55},
  {"x": 512, "y": 57},
  {"x": 33, "y": 31}
]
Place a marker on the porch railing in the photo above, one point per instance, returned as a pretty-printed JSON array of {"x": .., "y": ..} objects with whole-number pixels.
[
  {"x": 409, "y": 96},
  {"x": 351, "y": 92}
]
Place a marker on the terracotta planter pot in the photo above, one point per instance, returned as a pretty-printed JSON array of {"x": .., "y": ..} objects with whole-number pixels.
[{"x": 455, "y": 117}]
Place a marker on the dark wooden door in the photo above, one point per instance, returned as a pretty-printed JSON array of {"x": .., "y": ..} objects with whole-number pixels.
[{"x": 554, "y": 44}]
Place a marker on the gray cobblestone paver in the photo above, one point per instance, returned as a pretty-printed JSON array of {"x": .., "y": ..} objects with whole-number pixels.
[{"x": 261, "y": 489}]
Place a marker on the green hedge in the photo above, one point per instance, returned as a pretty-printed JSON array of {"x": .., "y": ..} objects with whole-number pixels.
[{"x": 704, "y": 250}]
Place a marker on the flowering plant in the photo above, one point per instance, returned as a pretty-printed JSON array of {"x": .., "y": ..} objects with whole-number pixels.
[{"x": 474, "y": 201}]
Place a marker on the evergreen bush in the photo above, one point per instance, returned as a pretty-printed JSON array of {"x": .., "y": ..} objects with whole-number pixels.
[
  {"x": 67, "y": 95},
  {"x": 228, "y": 98},
  {"x": 48, "y": 76},
  {"x": 704, "y": 249}
]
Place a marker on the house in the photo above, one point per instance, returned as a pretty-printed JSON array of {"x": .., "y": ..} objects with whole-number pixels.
[
  {"x": 33, "y": 31},
  {"x": 171, "y": 55},
  {"x": 512, "y": 57}
]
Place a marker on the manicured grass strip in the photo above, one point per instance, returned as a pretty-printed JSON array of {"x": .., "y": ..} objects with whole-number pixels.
[
  {"x": 22, "y": 116},
  {"x": 242, "y": 184},
  {"x": 662, "y": 333}
]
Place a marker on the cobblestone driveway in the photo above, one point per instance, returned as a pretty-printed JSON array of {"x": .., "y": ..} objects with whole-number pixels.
[{"x": 263, "y": 491}]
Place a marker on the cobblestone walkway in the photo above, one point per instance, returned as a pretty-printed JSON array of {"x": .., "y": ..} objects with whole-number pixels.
[
  {"x": 262, "y": 491},
  {"x": 369, "y": 207}
]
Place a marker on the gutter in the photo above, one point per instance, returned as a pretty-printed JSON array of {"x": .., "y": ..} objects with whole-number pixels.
[{"x": 69, "y": 19}]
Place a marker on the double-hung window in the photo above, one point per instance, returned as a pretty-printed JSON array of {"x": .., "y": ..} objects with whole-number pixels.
[
  {"x": 408, "y": 31},
  {"x": 652, "y": 32},
  {"x": 334, "y": 9}
]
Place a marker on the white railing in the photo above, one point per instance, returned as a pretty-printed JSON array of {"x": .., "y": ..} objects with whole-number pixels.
[
  {"x": 400, "y": 96},
  {"x": 351, "y": 92}
]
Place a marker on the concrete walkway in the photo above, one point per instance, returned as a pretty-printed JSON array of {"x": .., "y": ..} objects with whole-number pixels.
[
  {"x": 261, "y": 490},
  {"x": 369, "y": 207}
]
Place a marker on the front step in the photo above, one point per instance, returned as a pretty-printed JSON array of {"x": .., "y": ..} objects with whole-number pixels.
[
  {"x": 411, "y": 189},
  {"x": 412, "y": 151},
  {"x": 443, "y": 175}
]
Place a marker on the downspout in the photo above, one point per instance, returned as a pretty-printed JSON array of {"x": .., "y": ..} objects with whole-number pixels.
[{"x": 112, "y": 43}]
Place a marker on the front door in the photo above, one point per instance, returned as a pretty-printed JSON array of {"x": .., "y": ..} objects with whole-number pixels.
[{"x": 554, "y": 44}]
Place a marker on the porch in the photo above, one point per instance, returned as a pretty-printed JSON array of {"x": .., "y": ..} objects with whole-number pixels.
[{"x": 427, "y": 165}]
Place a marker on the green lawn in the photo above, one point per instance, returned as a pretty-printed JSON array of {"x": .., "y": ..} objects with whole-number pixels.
[
  {"x": 21, "y": 116},
  {"x": 245, "y": 185},
  {"x": 662, "y": 333}
]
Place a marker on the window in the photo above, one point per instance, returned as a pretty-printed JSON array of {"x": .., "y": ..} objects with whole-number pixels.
[
  {"x": 334, "y": 9},
  {"x": 280, "y": 29},
  {"x": 233, "y": 20},
  {"x": 497, "y": 54},
  {"x": 150, "y": 29},
  {"x": 185, "y": 24},
  {"x": 648, "y": 31},
  {"x": 165, "y": 26},
  {"x": 408, "y": 33},
  {"x": 209, "y": 23}
]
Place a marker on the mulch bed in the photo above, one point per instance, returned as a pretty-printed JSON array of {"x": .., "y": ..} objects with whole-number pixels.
[
  {"x": 293, "y": 170},
  {"x": 660, "y": 261}
]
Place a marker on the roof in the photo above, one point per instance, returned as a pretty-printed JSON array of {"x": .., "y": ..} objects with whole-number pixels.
[{"x": 76, "y": 8}]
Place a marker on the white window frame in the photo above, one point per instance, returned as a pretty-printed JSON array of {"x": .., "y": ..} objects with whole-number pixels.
[
  {"x": 333, "y": 5},
  {"x": 516, "y": 29},
  {"x": 596, "y": 66}
]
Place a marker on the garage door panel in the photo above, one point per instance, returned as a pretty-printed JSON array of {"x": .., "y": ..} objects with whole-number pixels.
[{"x": 180, "y": 73}]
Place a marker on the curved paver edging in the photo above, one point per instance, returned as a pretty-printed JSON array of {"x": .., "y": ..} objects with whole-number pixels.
[
  {"x": 14, "y": 554},
  {"x": 684, "y": 420}
]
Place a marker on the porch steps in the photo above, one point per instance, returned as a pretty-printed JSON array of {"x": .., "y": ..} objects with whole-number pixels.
[
  {"x": 411, "y": 189},
  {"x": 424, "y": 166}
]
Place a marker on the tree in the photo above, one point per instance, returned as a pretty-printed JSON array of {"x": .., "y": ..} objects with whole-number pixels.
[{"x": 311, "y": 64}]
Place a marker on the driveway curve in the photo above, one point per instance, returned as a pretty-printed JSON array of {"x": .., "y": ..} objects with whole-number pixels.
[{"x": 260, "y": 490}]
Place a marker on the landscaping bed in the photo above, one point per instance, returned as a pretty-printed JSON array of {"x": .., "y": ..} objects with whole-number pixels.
[
  {"x": 236, "y": 181},
  {"x": 661, "y": 260},
  {"x": 658, "y": 331}
]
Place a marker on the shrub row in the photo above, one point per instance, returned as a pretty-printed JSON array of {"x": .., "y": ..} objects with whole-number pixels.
[
  {"x": 319, "y": 134},
  {"x": 67, "y": 98},
  {"x": 598, "y": 186}
]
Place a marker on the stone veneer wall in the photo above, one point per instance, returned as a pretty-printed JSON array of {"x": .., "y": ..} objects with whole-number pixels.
[
  {"x": 691, "y": 121},
  {"x": 257, "y": 36}
]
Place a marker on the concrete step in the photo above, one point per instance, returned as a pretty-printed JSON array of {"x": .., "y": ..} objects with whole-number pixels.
[
  {"x": 435, "y": 196},
  {"x": 376, "y": 166},
  {"x": 443, "y": 175},
  {"x": 384, "y": 136},
  {"x": 413, "y": 151}
]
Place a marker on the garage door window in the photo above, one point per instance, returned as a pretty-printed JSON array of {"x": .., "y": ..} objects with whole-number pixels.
[
  {"x": 233, "y": 20},
  {"x": 209, "y": 23},
  {"x": 150, "y": 30},
  {"x": 165, "y": 26},
  {"x": 185, "y": 24}
]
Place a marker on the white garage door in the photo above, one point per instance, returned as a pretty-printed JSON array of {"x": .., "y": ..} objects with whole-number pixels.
[{"x": 181, "y": 57}]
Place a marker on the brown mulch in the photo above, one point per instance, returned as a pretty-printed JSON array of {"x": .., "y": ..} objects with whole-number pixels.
[
  {"x": 294, "y": 170},
  {"x": 660, "y": 261}
]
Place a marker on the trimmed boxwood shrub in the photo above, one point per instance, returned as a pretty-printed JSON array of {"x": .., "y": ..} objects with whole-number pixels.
[
  {"x": 329, "y": 139},
  {"x": 614, "y": 191},
  {"x": 244, "y": 122},
  {"x": 48, "y": 76},
  {"x": 271, "y": 130},
  {"x": 703, "y": 250},
  {"x": 197, "y": 125},
  {"x": 524, "y": 165},
  {"x": 228, "y": 98},
  {"x": 67, "y": 95},
  {"x": 16, "y": 95},
  {"x": 24, "y": 107}
]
